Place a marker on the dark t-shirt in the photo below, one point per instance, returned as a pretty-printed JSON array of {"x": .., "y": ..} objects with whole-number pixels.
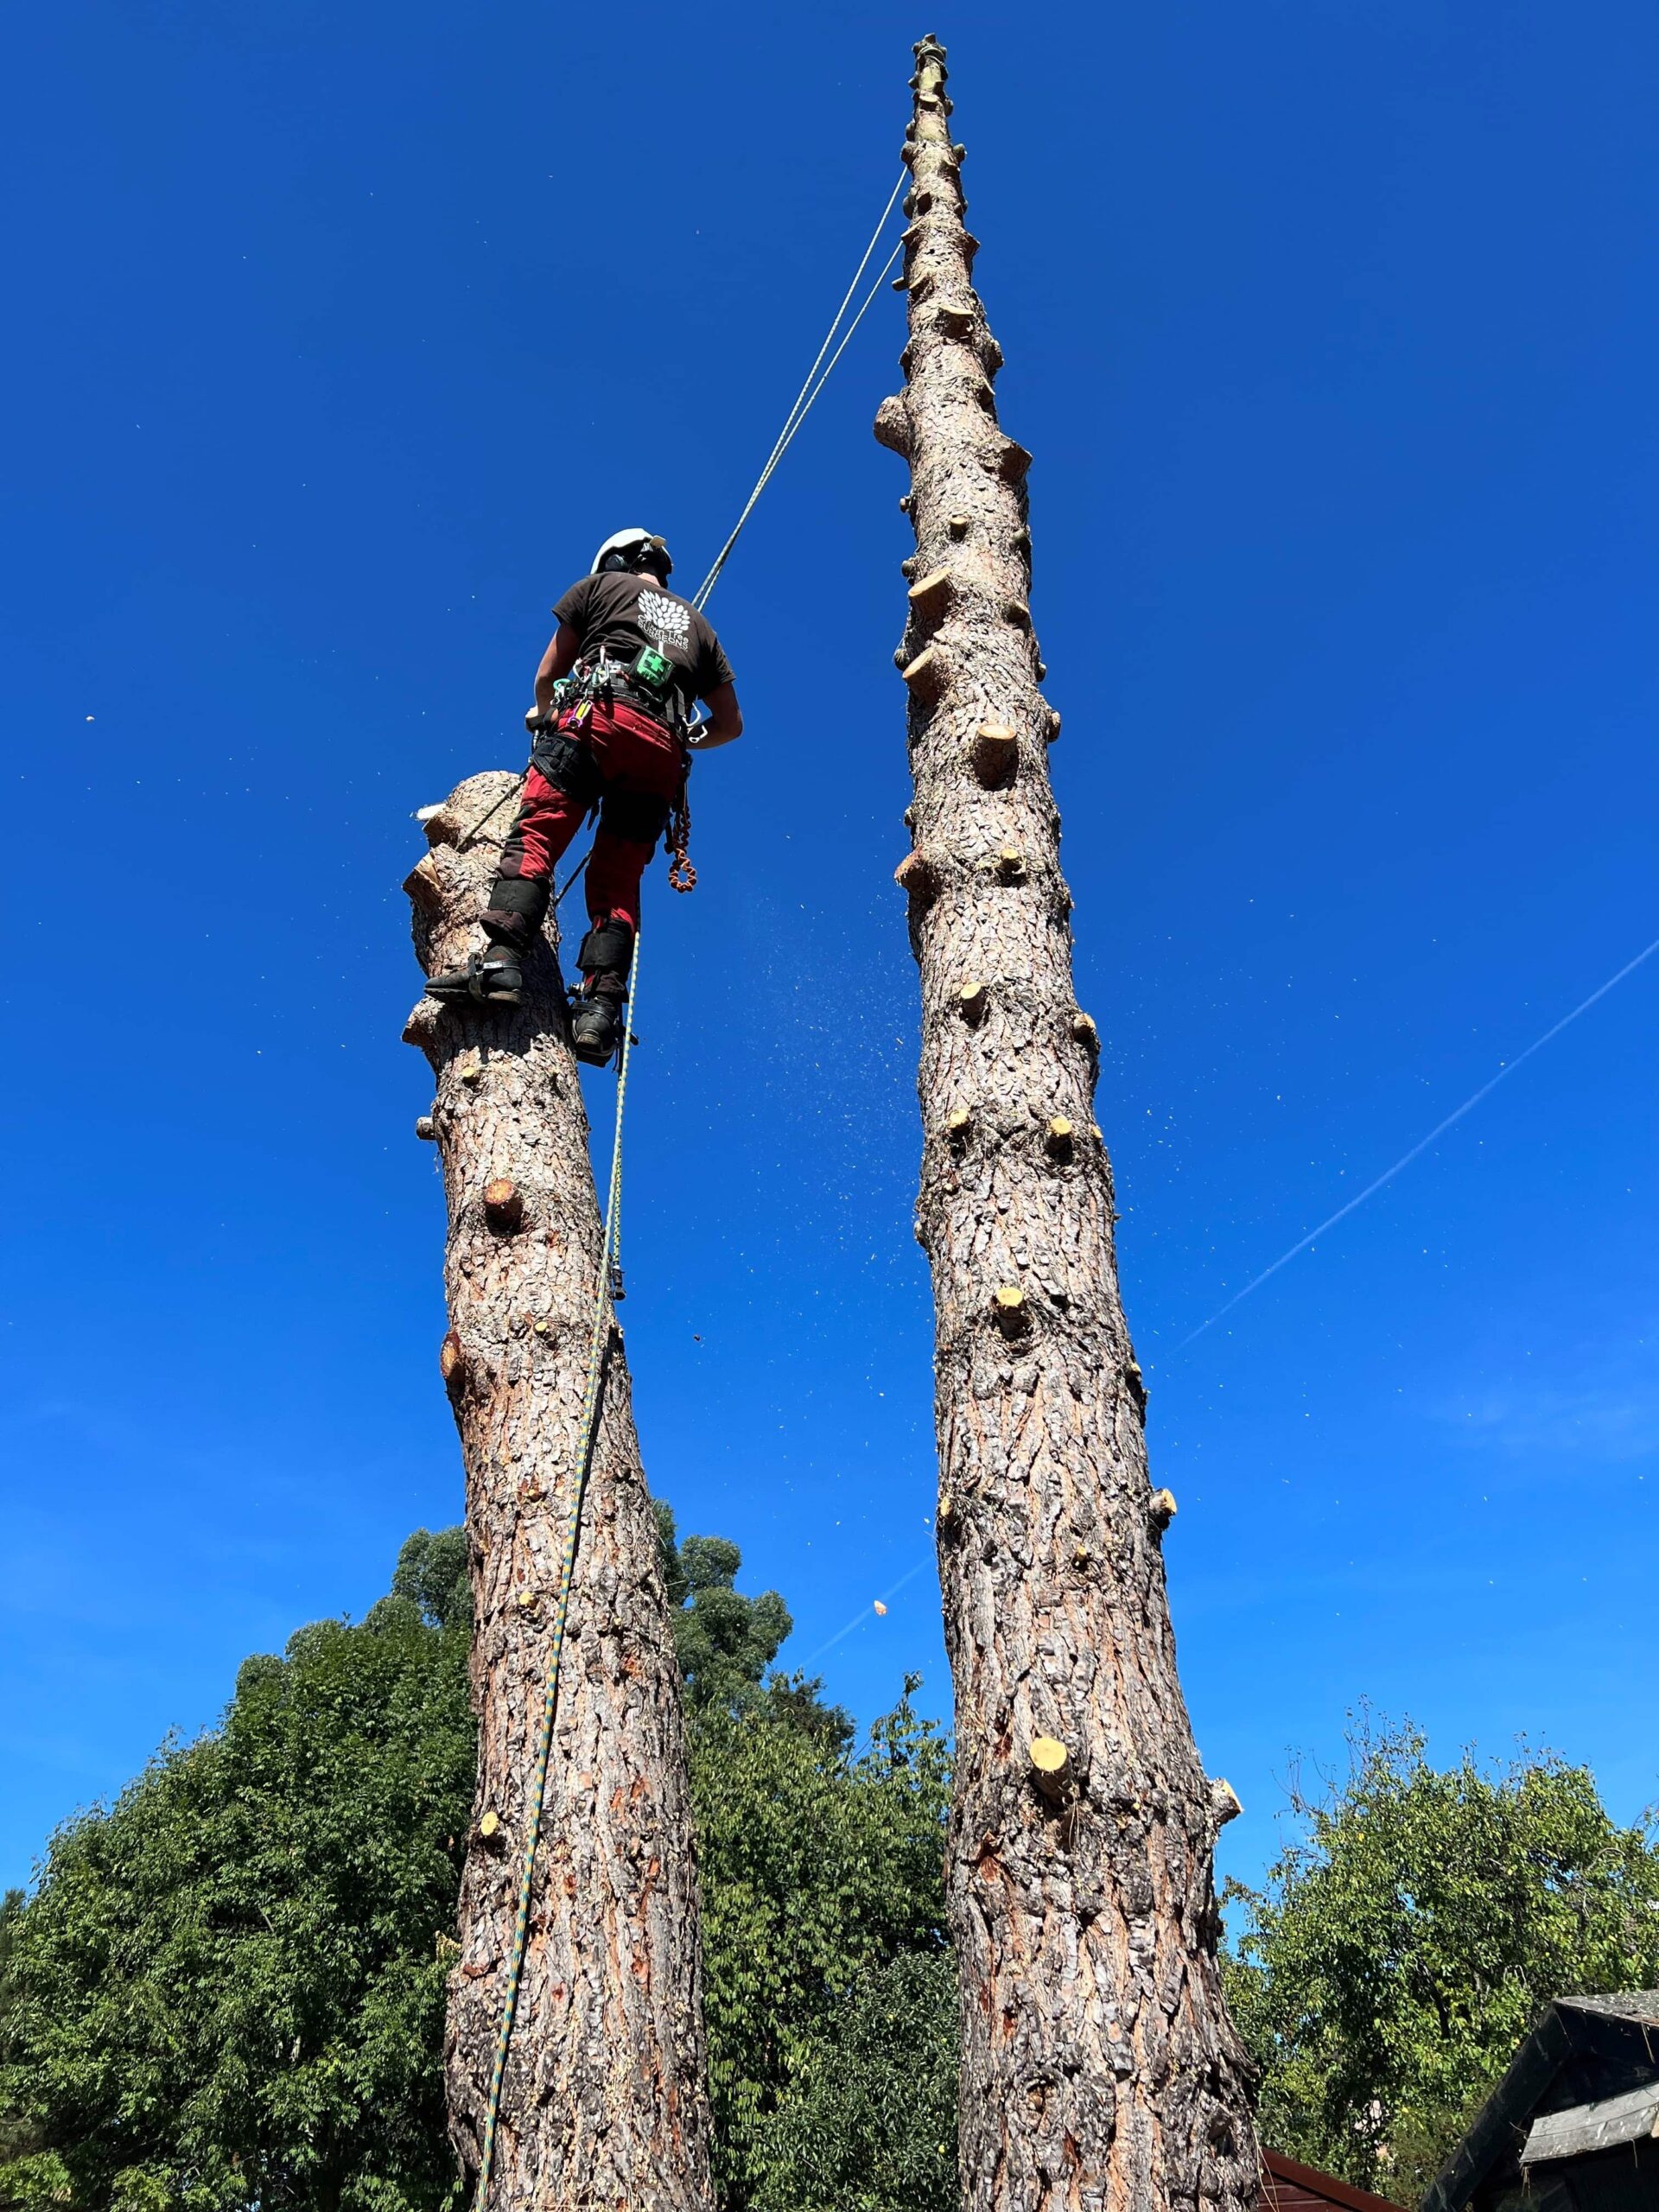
[{"x": 618, "y": 616}]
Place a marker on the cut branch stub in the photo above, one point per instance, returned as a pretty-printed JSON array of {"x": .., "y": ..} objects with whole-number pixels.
[
  {"x": 1058, "y": 1139},
  {"x": 893, "y": 418},
  {"x": 452, "y": 1363},
  {"x": 1224, "y": 1802},
  {"x": 1013, "y": 461},
  {"x": 958, "y": 1122},
  {"x": 972, "y": 999},
  {"x": 994, "y": 753},
  {"x": 1010, "y": 863},
  {"x": 1051, "y": 1767},
  {"x": 1012, "y": 1315},
  {"x": 425, "y": 885},
  {"x": 1163, "y": 1508},
  {"x": 504, "y": 1203},
  {"x": 425, "y": 1128},
  {"x": 927, "y": 675},
  {"x": 917, "y": 875},
  {"x": 930, "y": 599},
  {"x": 954, "y": 321}
]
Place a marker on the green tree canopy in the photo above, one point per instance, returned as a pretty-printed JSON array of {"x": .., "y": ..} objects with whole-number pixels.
[
  {"x": 1407, "y": 1940},
  {"x": 227, "y": 1988},
  {"x": 822, "y": 1874},
  {"x": 725, "y": 1641}
]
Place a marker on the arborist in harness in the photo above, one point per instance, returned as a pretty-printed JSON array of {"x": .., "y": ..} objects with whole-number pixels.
[{"x": 613, "y": 733}]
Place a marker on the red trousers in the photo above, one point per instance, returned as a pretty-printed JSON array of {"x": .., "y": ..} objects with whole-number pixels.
[{"x": 622, "y": 761}]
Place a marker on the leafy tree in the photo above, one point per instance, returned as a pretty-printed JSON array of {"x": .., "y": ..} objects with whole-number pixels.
[
  {"x": 867, "y": 2122},
  {"x": 822, "y": 1875},
  {"x": 1407, "y": 1939},
  {"x": 431, "y": 1573},
  {"x": 227, "y": 1988},
  {"x": 725, "y": 1641}
]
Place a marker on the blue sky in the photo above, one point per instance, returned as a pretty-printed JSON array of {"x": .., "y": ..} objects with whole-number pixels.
[{"x": 339, "y": 338}]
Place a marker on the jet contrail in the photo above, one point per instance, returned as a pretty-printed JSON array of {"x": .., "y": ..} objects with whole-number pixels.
[
  {"x": 1405, "y": 1159},
  {"x": 863, "y": 1613}
]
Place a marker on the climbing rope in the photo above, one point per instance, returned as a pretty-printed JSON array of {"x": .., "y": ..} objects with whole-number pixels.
[
  {"x": 610, "y": 1270},
  {"x": 805, "y": 400},
  {"x": 809, "y": 391}
]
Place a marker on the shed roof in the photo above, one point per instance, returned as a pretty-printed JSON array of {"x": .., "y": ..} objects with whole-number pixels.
[{"x": 1584, "y": 2052}]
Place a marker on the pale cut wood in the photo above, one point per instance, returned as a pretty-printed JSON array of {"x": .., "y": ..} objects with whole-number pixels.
[
  {"x": 993, "y": 751},
  {"x": 1099, "y": 2072},
  {"x": 1050, "y": 1766},
  {"x": 605, "y": 2103},
  {"x": 930, "y": 597},
  {"x": 917, "y": 874},
  {"x": 926, "y": 675},
  {"x": 504, "y": 1203}
]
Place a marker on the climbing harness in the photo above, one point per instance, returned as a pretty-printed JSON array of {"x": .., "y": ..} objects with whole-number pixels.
[
  {"x": 610, "y": 1292},
  {"x": 683, "y": 877}
]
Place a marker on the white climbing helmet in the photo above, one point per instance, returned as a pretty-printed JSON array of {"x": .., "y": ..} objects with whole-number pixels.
[{"x": 621, "y": 551}]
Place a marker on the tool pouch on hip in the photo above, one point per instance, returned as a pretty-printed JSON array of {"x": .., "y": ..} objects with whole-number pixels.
[{"x": 568, "y": 765}]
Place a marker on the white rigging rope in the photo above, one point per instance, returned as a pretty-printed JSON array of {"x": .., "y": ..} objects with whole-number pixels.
[{"x": 814, "y": 385}]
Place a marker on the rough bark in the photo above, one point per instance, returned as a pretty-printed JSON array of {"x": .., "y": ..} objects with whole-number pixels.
[
  {"x": 604, "y": 2100},
  {"x": 1099, "y": 2066}
]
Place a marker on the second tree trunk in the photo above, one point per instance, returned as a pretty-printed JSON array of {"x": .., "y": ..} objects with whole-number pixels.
[{"x": 1099, "y": 2066}]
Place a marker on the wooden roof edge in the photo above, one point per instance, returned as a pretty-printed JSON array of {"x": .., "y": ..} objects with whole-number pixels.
[
  {"x": 1494, "y": 2128},
  {"x": 1324, "y": 2185}
]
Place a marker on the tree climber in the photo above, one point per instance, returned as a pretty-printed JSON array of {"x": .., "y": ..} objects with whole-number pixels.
[{"x": 612, "y": 733}]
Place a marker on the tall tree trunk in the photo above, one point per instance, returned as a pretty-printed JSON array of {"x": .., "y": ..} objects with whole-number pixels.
[
  {"x": 604, "y": 2099},
  {"x": 1099, "y": 2066}
]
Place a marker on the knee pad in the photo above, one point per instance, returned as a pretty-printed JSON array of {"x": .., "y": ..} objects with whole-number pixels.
[
  {"x": 568, "y": 766},
  {"x": 638, "y": 817},
  {"x": 516, "y": 910},
  {"x": 606, "y": 950}
]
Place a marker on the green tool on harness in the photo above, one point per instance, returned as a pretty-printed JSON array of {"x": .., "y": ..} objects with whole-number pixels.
[{"x": 652, "y": 671}]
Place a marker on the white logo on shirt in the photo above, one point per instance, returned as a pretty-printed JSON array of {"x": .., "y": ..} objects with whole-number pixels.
[{"x": 666, "y": 619}]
